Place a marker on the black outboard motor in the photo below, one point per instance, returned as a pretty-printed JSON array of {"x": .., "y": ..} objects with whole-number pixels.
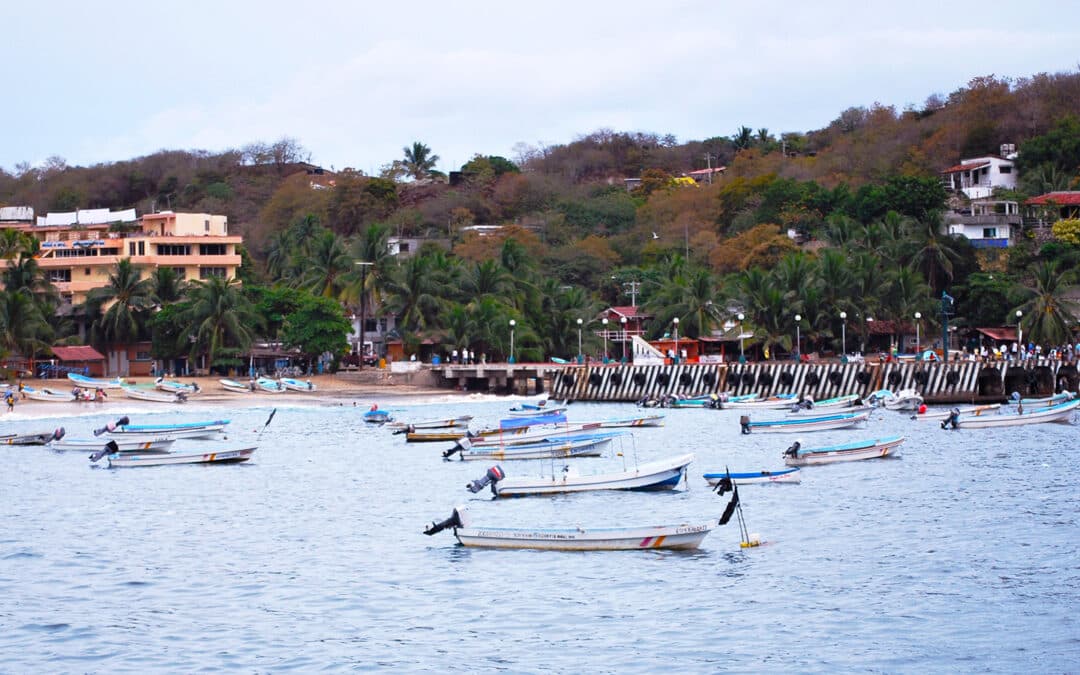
[
  {"x": 715, "y": 402},
  {"x": 410, "y": 429},
  {"x": 438, "y": 526},
  {"x": 744, "y": 422},
  {"x": 111, "y": 426},
  {"x": 952, "y": 420},
  {"x": 181, "y": 397},
  {"x": 57, "y": 434},
  {"x": 110, "y": 448},
  {"x": 793, "y": 451},
  {"x": 493, "y": 476},
  {"x": 461, "y": 445}
]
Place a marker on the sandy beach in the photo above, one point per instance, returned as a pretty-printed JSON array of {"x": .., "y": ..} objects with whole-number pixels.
[{"x": 352, "y": 389}]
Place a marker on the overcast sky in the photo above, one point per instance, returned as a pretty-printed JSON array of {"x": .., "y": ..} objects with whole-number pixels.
[{"x": 354, "y": 82}]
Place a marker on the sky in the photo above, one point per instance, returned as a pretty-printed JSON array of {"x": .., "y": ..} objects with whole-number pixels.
[{"x": 356, "y": 82}]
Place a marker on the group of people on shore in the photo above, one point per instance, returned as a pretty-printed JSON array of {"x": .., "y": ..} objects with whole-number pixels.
[{"x": 1018, "y": 352}]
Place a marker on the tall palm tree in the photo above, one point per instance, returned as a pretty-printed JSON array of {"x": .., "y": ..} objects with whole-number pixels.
[
  {"x": 128, "y": 298},
  {"x": 419, "y": 162},
  {"x": 221, "y": 318},
  {"x": 934, "y": 253},
  {"x": 1048, "y": 313},
  {"x": 23, "y": 329},
  {"x": 743, "y": 138},
  {"x": 414, "y": 295},
  {"x": 488, "y": 278},
  {"x": 166, "y": 286},
  {"x": 328, "y": 266},
  {"x": 694, "y": 297}
]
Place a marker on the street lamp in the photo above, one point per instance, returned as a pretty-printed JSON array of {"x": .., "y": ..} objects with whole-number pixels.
[
  {"x": 742, "y": 356},
  {"x": 604, "y": 323},
  {"x": 580, "y": 356},
  {"x": 676, "y": 322},
  {"x": 798, "y": 341},
  {"x": 1019, "y": 330},
  {"x": 512, "y": 324},
  {"x": 918, "y": 326},
  {"x": 363, "y": 306},
  {"x": 623, "y": 322},
  {"x": 843, "y": 334}
]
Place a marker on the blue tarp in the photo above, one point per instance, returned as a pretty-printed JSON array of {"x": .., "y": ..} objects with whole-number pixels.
[{"x": 521, "y": 422}]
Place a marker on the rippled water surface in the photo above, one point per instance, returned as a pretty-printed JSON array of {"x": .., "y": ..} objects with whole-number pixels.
[{"x": 962, "y": 555}]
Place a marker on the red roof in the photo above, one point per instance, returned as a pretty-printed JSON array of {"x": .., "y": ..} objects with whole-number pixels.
[
  {"x": 78, "y": 353},
  {"x": 1071, "y": 198},
  {"x": 965, "y": 167},
  {"x": 629, "y": 312},
  {"x": 1008, "y": 334}
]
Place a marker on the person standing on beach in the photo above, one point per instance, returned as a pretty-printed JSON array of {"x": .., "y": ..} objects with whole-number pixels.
[{"x": 10, "y": 398}]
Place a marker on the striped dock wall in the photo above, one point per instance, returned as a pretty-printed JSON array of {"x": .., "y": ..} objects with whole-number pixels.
[{"x": 937, "y": 382}]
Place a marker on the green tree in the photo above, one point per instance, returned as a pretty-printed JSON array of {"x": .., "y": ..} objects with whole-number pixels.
[
  {"x": 122, "y": 305},
  {"x": 317, "y": 326},
  {"x": 221, "y": 319},
  {"x": 1048, "y": 312},
  {"x": 419, "y": 161},
  {"x": 23, "y": 329}
]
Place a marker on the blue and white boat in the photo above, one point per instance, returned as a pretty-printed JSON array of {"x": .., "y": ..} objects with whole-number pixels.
[
  {"x": 789, "y": 475},
  {"x": 1061, "y": 412},
  {"x": 173, "y": 387},
  {"x": 270, "y": 386},
  {"x": 376, "y": 416},
  {"x": 123, "y": 429},
  {"x": 297, "y": 385},
  {"x": 663, "y": 474},
  {"x": 95, "y": 383},
  {"x": 800, "y": 424},
  {"x": 797, "y": 455},
  {"x": 554, "y": 449}
]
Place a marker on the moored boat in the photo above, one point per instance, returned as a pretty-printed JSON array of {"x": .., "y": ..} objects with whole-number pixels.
[
  {"x": 772, "y": 403},
  {"x": 122, "y": 459},
  {"x": 434, "y": 436},
  {"x": 800, "y": 424},
  {"x": 122, "y": 428},
  {"x": 789, "y": 475},
  {"x": 174, "y": 387},
  {"x": 975, "y": 410},
  {"x": 1061, "y": 412},
  {"x": 902, "y": 400},
  {"x": 796, "y": 455},
  {"x": 580, "y": 447},
  {"x": 33, "y": 439},
  {"x": 659, "y": 475},
  {"x": 376, "y": 416},
  {"x": 1061, "y": 397},
  {"x": 123, "y": 445},
  {"x": 440, "y": 423},
  {"x": 540, "y": 412}
]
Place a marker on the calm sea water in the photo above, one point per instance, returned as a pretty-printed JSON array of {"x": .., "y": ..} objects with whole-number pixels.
[{"x": 962, "y": 555}]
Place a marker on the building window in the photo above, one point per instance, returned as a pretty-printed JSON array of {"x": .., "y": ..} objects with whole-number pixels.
[
  {"x": 207, "y": 272},
  {"x": 212, "y": 249},
  {"x": 1005, "y": 169},
  {"x": 989, "y": 233},
  {"x": 173, "y": 249},
  {"x": 181, "y": 272},
  {"x": 403, "y": 247},
  {"x": 56, "y": 276},
  {"x": 143, "y": 356},
  {"x": 142, "y": 248},
  {"x": 86, "y": 271},
  {"x": 206, "y": 226},
  {"x": 131, "y": 248}
]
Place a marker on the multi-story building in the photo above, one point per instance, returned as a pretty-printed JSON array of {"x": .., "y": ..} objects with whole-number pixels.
[
  {"x": 80, "y": 249},
  {"x": 977, "y": 177}
]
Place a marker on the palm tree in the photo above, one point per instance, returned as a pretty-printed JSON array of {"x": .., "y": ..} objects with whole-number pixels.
[
  {"x": 166, "y": 286},
  {"x": 413, "y": 295},
  {"x": 488, "y": 278},
  {"x": 419, "y": 162},
  {"x": 934, "y": 253},
  {"x": 1048, "y": 313},
  {"x": 129, "y": 299},
  {"x": 23, "y": 329},
  {"x": 221, "y": 318},
  {"x": 743, "y": 138},
  {"x": 693, "y": 297},
  {"x": 328, "y": 266}
]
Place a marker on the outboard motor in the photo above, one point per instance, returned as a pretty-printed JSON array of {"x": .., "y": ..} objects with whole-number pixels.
[
  {"x": 715, "y": 402},
  {"x": 462, "y": 445},
  {"x": 744, "y": 422},
  {"x": 111, "y": 426},
  {"x": 793, "y": 451},
  {"x": 493, "y": 476},
  {"x": 952, "y": 420},
  {"x": 110, "y": 448},
  {"x": 409, "y": 429},
  {"x": 181, "y": 397},
  {"x": 808, "y": 403},
  {"x": 457, "y": 519},
  {"x": 57, "y": 434}
]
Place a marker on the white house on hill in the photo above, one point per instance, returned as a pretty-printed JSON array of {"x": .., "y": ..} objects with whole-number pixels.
[{"x": 977, "y": 177}]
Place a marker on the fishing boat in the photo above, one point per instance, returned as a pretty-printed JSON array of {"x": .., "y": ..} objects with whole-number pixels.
[
  {"x": 902, "y": 400},
  {"x": 270, "y": 386},
  {"x": 122, "y": 428},
  {"x": 1061, "y": 412},
  {"x": 376, "y": 416},
  {"x": 808, "y": 403},
  {"x": 434, "y": 436},
  {"x": 772, "y": 403},
  {"x": 95, "y": 383},
  {"x": 974, "y": 410},
  {"x": 536, "y": 413},
  {"x": 122, "y": 459},
  {"x": 660, "y": 475},
  {"x": 45, "y": 394},
  {"x": 33, "y": 439},
  {"x": 440, "y": 423},
  {"x": 797, "y": 455},
  {"x": 578, "y": 447},
  {"x": 532, "y": 408},
  {"x": 297, "y": 385},
  {"x": 800, "y": 424},
  {"x": 682, "y": 536},
  {"x": 173, "y": 387},
  {"x": 154, "y": 395},
  {"x": 625, "y": 422},
  {"x": 124, "y": 445},
  {"x": 789, "y": 475},
  {"x": 236, "y": 387},
  {"x": 1061, "y": 397}
]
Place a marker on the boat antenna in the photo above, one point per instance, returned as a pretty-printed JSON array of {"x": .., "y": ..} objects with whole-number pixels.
[{"x": 272, "y": 413}]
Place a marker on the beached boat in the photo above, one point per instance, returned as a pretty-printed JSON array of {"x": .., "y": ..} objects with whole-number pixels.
[
  {"x": 1062, "y": 412},
  {"x": 789, "y": 475},
  {"x": 156, "y": 396},
  {"x": 236, "y": 387},
  {"x": 797, "y": 455},
  {"x": 270, "y": 386},
  {"x": 440, "y": 423},
  {"x": 903, "y": 400},
  {"x": 174, "y": 387},
  {"x": 660, "y": 475},
  {"x": 682, "y": 536},
  {"x": 124, "y": 445},
  {"x": 800, "y": 424},
  {"x": 580, "y": 447},
  {"x": 941, "y": 414},
  {"x": 297, "y": 385},
  {"x": 122, "y": 459},
  {"x": 95, "y": 383},
  {"x": 541, "y": 406},
  {"x": 33, "y": 439},
  {"x": 45, "y": 394}
]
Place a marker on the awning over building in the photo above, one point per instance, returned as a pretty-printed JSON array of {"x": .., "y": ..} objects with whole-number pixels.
[
  {"x": 77, "y": 353},
  {"x": 1000, "y": 334}
]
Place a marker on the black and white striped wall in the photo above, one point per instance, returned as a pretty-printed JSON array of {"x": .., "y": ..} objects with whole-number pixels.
[{"x": 938, "y": 382}]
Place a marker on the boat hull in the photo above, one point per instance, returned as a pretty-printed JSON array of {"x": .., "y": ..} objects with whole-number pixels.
[
  {"x": 235, "y": 387},
  {"x": 445, "y": 423},
  {"x": 297, "y": 385},
  {"x": 580, "y": 539},
  {"x": 223, "y": 457},
  {"x": 155, "y": 396},
  {"x": 664, "y": 475},
  {"x": 94, "y": 383},
  {"x": 124, "y": 445},
  {"x": 939, "y": 415},
  {"x": 586, "y": 448},
  {"x": 790, "y": 475},
  {"x": 797, "y": 425},
  {"x": 1062, "y": 412},
  {"x": 850, "y": 453},
  {"x": 48, "y": 395}
]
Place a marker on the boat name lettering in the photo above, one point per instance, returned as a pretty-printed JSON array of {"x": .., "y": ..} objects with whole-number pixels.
[
  {"x": 688, "y": 529},
  {"x": 526, "y": 535}
]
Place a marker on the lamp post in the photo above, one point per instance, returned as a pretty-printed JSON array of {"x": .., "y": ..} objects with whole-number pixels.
[
  {"x": 742, "y": 356},
  {"x": 869, "y": 323},
  {"x": 798, "y": 341},
  {"x": 918, "y": 322},
  {"x": 623, "y": 322},
  {"x": 580, "y": 356},
  {"x": 512, "y": 324},
  {"x": 676, "y": 322},
  {"x": 603, "y": 322},
  {"x": 363, "y": 306},
  {"x": 843, "y": 333},
  {"x": 1019, "y": 331}
]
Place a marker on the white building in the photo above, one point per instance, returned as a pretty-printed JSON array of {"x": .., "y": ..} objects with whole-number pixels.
[{"x": 977, "y": 177}]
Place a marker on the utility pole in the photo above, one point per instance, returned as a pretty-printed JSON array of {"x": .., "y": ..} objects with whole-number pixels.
[
  {"x": 708, "y": 165},
  {"x": 632, "y": 287},
  {"x": 947, "y": 303}
]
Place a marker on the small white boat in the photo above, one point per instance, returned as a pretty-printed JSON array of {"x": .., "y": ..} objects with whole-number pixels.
[
  {"x": 660, "y": 475},
  {"x": 123, "y": 428},
  {"x": 974, "y": 410},
  {"x": 173, "y": 386},
  {"x": 903, "y": 400},
  {"x": 124, "y": 445},
  {"x": 771, "y": 403},
  {"x": 682, "y": 536},
  {"x": 796, "y": 455},
  {"x": 808, "y": 403},
  {"x": 33, "y": 439},
  {"x": 1060, "y": 397},
  {"x": 236, "y": 387},
  {"x": 540, "y": 412},
  {"x": 583, "y": 447},
  {"x": 441, "y": 423},
  {"x": 297, "y": 385},
  {"x": 45, "y": 394},
  {"x": 800, "y": 424},
  {"x": 154, "y": 395},
  {"x": 789, "y": 475},
  {"x": 623, "y": 422},
  {"x": 1062, "y": 412},
  {"x": 376, "y": 416},
  {"x": 122, "y": 459},
  {"x": 95, "y": 383},
  {"x": 541, "y": 435},
  {"x": 270, "y": 386}
]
